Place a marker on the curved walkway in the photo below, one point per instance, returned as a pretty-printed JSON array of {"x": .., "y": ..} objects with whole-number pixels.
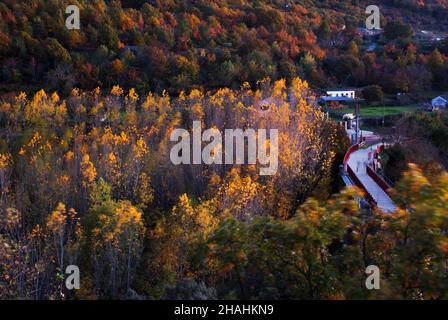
[{"x": 356, "y": 162}]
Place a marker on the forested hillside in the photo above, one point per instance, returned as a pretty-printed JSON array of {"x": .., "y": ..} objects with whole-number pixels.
[
  {"x": 87, "y": 178},
  {"x": 179, "y": 45}
]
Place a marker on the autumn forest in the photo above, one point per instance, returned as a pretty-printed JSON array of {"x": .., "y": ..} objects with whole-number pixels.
[{"x": 86, "y": 178}]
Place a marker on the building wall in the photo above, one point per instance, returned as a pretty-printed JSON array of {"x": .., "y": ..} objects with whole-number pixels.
[
  {"x": 342, "y": 93},
  {"x": 439, "y": 102}
]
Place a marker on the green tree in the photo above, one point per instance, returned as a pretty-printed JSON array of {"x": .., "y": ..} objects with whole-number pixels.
[
  {"x": 398, "y": 30},
  {"x": 394, "y": 162},
  {"x": 324, "y": 30},
  {"x": 373, "y": 93},
  {"x": 436, "y": 64},
  {"x": 279, "y": 259},
  {"x": 419, "y": 231},
  {"x": 56, "y": 52}
]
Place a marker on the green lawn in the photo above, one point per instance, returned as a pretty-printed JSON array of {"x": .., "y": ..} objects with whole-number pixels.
[{"x": 377, "y": 111}]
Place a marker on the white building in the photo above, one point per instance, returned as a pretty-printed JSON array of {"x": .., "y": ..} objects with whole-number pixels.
[
  {"x": 348, "y": 116},
  {"x": 343, "y": 93},
  {"x": 439, "y": 103}
]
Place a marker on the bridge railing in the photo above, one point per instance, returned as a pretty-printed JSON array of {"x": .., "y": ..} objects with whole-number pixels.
[
  {"x": 360, "y": 185},
  {"x": 353, "y": 176},
  {"x": 379, "y": 180}
]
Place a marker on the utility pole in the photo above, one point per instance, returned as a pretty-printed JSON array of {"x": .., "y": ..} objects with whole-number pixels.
[
  {"x": 286, "y": 8},
  {"x": 357, "y": 117}
]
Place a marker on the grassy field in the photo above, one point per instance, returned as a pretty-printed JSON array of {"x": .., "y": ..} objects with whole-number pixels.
[{"x": 377, "y": 111}]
